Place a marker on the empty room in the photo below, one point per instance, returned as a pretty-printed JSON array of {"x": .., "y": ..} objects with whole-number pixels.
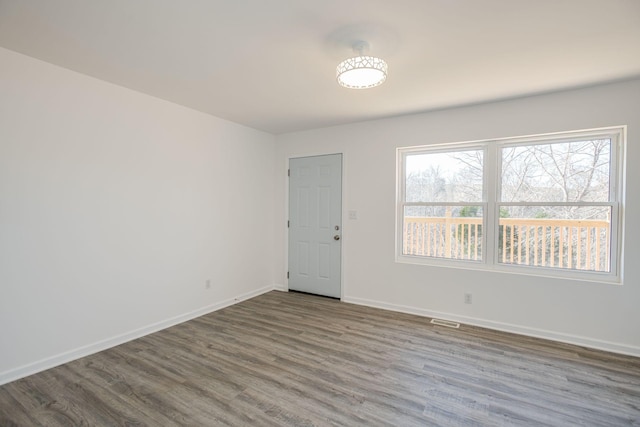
[{"x": 320, "y": 213}]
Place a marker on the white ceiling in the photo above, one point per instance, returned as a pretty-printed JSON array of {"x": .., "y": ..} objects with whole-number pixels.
[{"x": 270, "y": 64}]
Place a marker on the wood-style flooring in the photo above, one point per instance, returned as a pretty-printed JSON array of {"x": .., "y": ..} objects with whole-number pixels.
[{"x": 289, "y": 359}]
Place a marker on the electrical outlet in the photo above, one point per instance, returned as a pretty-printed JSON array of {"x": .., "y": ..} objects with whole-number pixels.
[
  {"x": 207, "y": 285},
  {"x": 467, "y": 298}
]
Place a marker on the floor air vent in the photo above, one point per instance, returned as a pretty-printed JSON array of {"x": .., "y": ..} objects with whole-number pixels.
[{"x": 447, "y": 323}]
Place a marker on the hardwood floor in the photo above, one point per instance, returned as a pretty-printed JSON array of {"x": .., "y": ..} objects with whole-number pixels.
[{"x": 288, "y": 359}]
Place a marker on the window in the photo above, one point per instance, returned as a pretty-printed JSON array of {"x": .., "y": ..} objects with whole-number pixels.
[{"x": 547, "y": 204}]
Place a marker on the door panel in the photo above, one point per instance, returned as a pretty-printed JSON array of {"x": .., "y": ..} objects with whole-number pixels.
[{"x": 315, "y": 224}]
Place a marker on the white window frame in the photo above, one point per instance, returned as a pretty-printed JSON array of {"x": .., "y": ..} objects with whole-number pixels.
[{"x": 491, "y": 204}]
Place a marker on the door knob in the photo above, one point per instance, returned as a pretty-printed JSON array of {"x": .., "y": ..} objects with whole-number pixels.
[{"x": 336, "y": 237}]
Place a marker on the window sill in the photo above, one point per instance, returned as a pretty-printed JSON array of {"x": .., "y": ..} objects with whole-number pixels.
[{"x": 519, "y": 270}]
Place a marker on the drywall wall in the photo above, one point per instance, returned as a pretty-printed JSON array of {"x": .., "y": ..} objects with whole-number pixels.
[
  {"x": 594, "y": 314},
  {"x": 115, "y": 209}
]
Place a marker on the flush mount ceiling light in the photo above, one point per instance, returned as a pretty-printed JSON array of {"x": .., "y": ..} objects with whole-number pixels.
[{"x": 361, "y": 72}]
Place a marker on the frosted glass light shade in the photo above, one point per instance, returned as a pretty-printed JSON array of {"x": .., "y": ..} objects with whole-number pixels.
[{"x": 361, "y": 72}]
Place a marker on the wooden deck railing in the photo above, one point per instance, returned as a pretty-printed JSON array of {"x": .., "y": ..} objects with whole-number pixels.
[{"x": 568, "y": 244}]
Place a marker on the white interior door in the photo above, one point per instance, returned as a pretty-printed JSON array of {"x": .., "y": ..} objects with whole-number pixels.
[{"x": 315, "y": 224}]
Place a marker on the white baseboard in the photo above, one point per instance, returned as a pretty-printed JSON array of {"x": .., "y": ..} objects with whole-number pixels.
[
  {"x": 280, "y": 287},
  {"x": 68, "y": 356},
  {"x": 505, "y": 327},
  {"x": 59, "y": 359}
]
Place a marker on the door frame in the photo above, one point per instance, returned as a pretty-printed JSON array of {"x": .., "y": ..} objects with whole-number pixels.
[{"x": 342, "y": 213}]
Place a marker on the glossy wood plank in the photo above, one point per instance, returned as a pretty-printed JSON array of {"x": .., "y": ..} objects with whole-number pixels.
[{"x": 289, "y": 359}]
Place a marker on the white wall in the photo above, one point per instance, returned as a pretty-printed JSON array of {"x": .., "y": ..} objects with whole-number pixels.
[
  {"x": 115, "y": 208},
  {"x": 594, "y": 314}
]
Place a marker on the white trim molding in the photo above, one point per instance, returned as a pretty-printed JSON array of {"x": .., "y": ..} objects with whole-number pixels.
[
  {"x": 609, "y": 346},
  {"x": 280, "y": 287},
  {"x": 71, "y": 355}
]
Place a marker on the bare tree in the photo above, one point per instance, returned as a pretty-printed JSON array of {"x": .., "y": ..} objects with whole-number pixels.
[{"x": 562, "y": 172}]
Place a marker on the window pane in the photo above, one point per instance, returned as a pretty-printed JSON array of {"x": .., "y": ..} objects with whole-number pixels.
[
  {"x": 444, "y": 177},
  {"x": 443, "y": 232},
  {"x": 557, "y": 172},
  {"x": 564, "y": 237}
]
